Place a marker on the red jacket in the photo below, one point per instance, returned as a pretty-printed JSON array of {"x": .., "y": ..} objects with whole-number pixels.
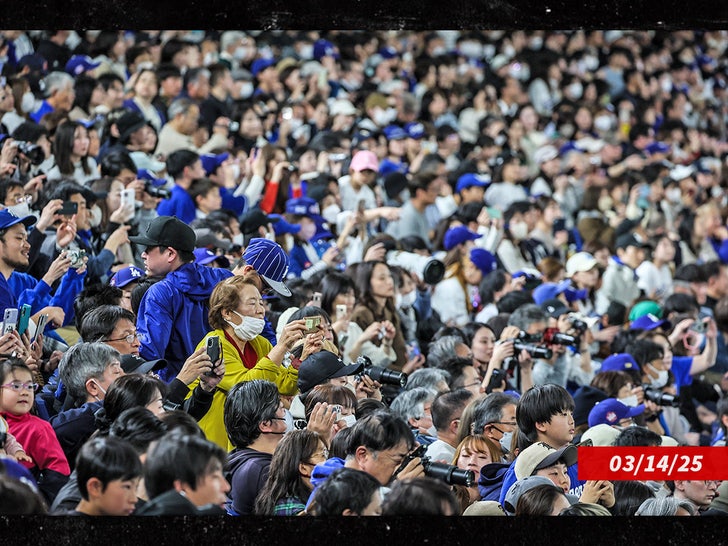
[{"x": 40, "y": 442}]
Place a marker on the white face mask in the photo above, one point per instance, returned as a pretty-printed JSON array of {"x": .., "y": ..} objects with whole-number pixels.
[
  {"x": 630, "y": 401},
  {"x": 249, "y": 328},
  {"x": 472, "y": 50},
  {"x": 95, "y": 216},
  {"x": 432, "y": 431},
  {"x": 661, "y": 380},
  {"x": 27, "y": 103},
  {"x": 270, "y": 235},
  {"x": 349, "y": 420},
  {"x": 246, "y": 90},
  {"x": 674, "y": 195},
  {"x": 603, "y": 123},
  {"x": 407, "y": 300},
  {"x": 295, "y": 123},
  {"x": 576, "y": 89},
  {"x": 330, "y": 213},
  {"x": 238, "y": 239},
  {"x": 289, "y": 421},
  {"x": 306, "y": 52},
  {"x": 236, "y": 171},
  {"x": 21, "y": 210},
  {"x": 505, "y": 442},
  {"x": 509, "y": 51},
  {"x": 519, "y": 230},
  {"x": 241, "y": 52}
]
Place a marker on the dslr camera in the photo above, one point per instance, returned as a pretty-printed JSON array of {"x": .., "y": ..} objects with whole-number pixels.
[
  {"x": 530, "y": 344},
  {"x": 661, "y": 398},
  {"x": 33, "y": 152},
  {"x": 450, "y": 474},
  {"x": 383, "y": 375},
  {"x": 552, "y": 336}
]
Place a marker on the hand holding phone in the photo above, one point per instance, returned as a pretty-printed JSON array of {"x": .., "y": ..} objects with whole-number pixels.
[
  {"x": 10, "y": 320},
  {"x": 69, "y": 208},
  {"x": 213, "y": 351}
]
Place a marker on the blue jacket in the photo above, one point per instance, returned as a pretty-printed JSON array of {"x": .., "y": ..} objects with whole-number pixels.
[
  {"x": 37, "y": 293},
  {"x": 180, "y": 204},
  {"x": 172, "y": 315},
  {"x": 491, "y": 480}
]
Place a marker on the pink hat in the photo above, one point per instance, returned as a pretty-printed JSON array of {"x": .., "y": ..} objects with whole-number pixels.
[{"x": 363, "y": 160}]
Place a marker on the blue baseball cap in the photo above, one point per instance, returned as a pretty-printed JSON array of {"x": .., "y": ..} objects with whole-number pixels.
[
  {"x": 124, "y": 276},
  {"x": 415, "y": 129},
  {"x": 657, "y": 148},
  {"x": 9, "y": 219},
  {"x": 204, "y": 256},
  {"x": 210, "y": 162},
  {"x": 649, "y": 322},
  {"x": 388, "y": 52},
  {"x": 270, "y": 261},
  {"x": 304, "y": 206},
  {"x": 260, "y": 64},
  {"x": 394, "y": 132},
  {"x": 619, "y": 362},
  {"x": 549, "y": 291},
  {"x": 458, "y": 235},
  {"x": 468, "y": 180},
  {"x": 324, "y": 48},
  {"x": 281, "y": 227},
  {"x": 483, "y": 260},
  {"x": 78, "y": 64},
  {"x": 144, "y": 174},
  {"x": 610, "y": 411}
]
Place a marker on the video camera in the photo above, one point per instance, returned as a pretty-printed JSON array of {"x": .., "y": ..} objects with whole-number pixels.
[{"x": 450, "y": 474}]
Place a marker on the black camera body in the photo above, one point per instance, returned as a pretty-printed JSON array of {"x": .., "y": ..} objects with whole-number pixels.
[
  {"x": 661, "y": 398},
  {"x": 532, "y": 345},
  {"x": 577, "y": 323},
  {"x": 156, "y": 191},
  {"x": 33, "y": 152},
  {"x": 383, "y": 375},
  {"x": 450, "y": 474},
  {"x": 552, "y": 336}
]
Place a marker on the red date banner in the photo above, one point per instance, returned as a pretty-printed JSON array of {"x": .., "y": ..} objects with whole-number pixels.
[{"x": 653, "y": 463}]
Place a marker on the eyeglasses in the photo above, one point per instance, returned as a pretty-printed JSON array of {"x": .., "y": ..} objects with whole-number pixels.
[
  {"x": 17, "y": 386},
  {"x": 23, "y": 199},
  {"x": 471, "y": 384},
  {"x": 129, "y": 339},
  {"x": 511, "y": 423}
]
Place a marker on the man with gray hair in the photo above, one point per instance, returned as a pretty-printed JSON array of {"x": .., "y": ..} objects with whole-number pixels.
[
  {"x": 495, "y": 418},
  {"x": 532, "y": 320},
  {"x": 415, "y": 408},
  {"x": 666, "y": 506},
  {"x": 446, "y": 347},
  {"x": 184, "y": 119},
  {"x": 87, "y": 370},
  {"x": 60, "y": 94},
  {"x": 431, "y": 378}
]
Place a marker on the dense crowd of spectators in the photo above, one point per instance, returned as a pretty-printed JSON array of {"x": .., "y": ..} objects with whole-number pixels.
[{"x": 359, "y": 272}]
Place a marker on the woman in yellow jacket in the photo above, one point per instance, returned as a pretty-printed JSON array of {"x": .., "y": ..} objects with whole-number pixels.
[{"x": 236, "y": 313}]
